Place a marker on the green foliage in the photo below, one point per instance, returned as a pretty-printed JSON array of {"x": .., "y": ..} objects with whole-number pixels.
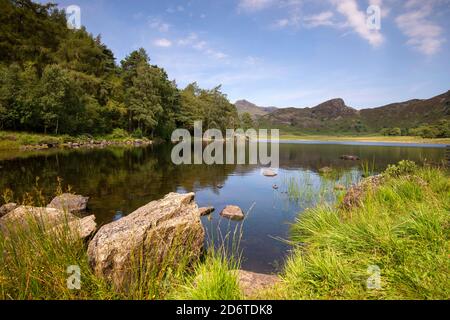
[
  {"x": 247, "y": 121},
  {"x": 391, "y": 132},
  {"x": 401, "y": 228},
  {"x": 403, "y": 167},
  {"x": 119, "y": 134},
  {"x": 441, "y": 130},
  {"x": 57, "y": 80}
]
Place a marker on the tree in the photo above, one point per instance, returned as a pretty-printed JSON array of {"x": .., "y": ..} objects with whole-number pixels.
[{"x": 247, "y": 121}]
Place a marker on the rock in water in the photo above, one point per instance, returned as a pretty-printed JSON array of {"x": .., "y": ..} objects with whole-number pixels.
[
  {"x": 206, "y": 210},
  {"x": 269, "y": 173},
  {"x": 232, "y": 212},
  {"x": 6, "y": 208},
  {"x": 169, "y": 228},
  {"x": 350, "y": 158},
  {"x": 251, "y": 283},
  {"x": 69, "y": 202},
  {"x": 50, "y": 219}
]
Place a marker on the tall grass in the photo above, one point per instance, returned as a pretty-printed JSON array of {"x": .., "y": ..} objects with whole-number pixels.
[
  {"x": 402, "y": 229},
  {"x": 34, "y": 265}
]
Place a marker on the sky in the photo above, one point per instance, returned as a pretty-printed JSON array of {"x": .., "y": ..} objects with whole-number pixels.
[{"x": 286, "y": 53}]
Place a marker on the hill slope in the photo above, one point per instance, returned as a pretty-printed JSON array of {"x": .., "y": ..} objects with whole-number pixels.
[{"x": 335, "y": 116}]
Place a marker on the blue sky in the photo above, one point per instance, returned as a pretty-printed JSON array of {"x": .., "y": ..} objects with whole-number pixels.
[{"x": 286, "y": 52}]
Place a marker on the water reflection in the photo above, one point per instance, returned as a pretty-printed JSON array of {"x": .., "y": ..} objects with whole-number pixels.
[{"x": 119, "y": 180}]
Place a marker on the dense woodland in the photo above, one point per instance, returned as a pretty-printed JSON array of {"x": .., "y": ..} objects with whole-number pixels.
[{"x": 58, "y": 80}]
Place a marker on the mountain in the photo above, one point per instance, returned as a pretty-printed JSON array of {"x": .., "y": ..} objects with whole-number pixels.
[
  {"x": 255, "y": 111},
  {"x": 335, "y": 116}
]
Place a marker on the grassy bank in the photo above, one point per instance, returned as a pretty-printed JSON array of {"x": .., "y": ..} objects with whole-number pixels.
[
  {"x": 405, "y": 139},
  {"x": 400, "y": 231},
  {"x": 17, "y": 140}
]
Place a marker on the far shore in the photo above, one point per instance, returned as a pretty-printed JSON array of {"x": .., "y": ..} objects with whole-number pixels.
[{"x": 392, "y": 139}]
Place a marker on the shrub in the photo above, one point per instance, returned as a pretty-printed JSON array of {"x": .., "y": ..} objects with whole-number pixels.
[
  {"x": 403, "y": 167},
  {"x": 119, "y": 134}
]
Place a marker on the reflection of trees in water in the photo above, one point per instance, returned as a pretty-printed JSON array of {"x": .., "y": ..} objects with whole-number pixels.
[
  {"x": 124, "y": 179},
  {"x": 115, "y": 179}
]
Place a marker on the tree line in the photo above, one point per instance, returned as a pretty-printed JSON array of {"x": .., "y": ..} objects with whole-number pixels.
[{"x": 57, "y": 80}]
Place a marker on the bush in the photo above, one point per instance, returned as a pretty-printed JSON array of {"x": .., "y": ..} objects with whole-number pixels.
[
  {"x": 138, "y": 134},
  {"x": 403, "y": 167},
  {"x": 391, "y": 132},
  {"x": 119, "y": 134}
]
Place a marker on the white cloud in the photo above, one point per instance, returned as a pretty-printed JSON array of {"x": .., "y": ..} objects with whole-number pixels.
[
  {"x": 163, "y": 43},
  {"x": 356, "y": 19},
  {"x": 255, "y": 5},
  {"x": 321, "y": 19},
  {"x": 194, "y": 41},
  {"x": 158, "y": 24},
  {"x": 424, "y": 35}
]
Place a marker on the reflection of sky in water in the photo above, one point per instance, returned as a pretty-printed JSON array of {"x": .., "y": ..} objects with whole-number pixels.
[{"x": 272, "y": 210}]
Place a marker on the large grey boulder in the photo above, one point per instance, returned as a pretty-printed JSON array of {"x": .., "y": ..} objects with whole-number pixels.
[
  {"x": 50, "y": 219},
  {"x": 169, "y": 229},
  {"x": 69, "y": 202}
]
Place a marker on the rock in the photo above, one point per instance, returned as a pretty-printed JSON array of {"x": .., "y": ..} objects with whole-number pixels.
[
  {"x": 206, "y": 211},
  {"x": 252, "y": 283},
  {"x": 269, "y": 173},
  {"x": 69, "y": 202},
  {"x": 6, "y": 208},
  {"x": 350, "y": 158},
  {"x": 275, "y": 187},
  {"x": 50, "y": 219},
  {"x": 339, "y": 187},
  {"x": 232, "y": 212},
  {"x": 219, "y": 186},
  {"x": 167, "y": 228},
  {"x": 84, "y": 227},
  {"x": 325, "y": 170}
]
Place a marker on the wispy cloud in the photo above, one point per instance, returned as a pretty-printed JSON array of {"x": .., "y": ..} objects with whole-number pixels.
[
  {"x": 321, "y": 19},
  {"x": 356, "y": 19},
  {"x": 423, "y": 34},
  {"x": 158, "y": 24},
  {"x": 163, "y": 43},
  {"x": 255, "y": 5},
  {"x": 195, "y": 42}
]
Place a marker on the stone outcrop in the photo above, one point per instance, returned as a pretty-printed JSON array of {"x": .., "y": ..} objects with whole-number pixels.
[
  {"x": 50, "y": 219},
  {"x": 350, "y": 158},
  {"x": 232, "y": 212},
  {"x": 169, "y": 228},
  {"x": 252, "y": 283},
  {"x": 206, "y": 211},
  {"x": 269, "y": 173},
  {"x": 6, "y": 208},
  {"x": 69, "y": 202}
]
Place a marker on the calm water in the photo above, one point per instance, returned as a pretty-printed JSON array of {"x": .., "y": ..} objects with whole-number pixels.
[{"x": 119, "y": 180}]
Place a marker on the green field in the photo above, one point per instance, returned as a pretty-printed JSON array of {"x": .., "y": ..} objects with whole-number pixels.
[{"x": 374, "y": 138}]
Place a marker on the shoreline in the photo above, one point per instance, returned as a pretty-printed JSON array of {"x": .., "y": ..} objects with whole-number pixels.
[{"x": 368, "y": 139}]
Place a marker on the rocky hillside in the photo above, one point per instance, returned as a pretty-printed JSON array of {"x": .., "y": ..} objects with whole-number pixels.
[
  {"x": 335, "y": 116},
  {"x": 255, "y": 111}
]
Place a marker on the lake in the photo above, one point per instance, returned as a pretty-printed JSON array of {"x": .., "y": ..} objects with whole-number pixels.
[{"x": 120, "y": 180}]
